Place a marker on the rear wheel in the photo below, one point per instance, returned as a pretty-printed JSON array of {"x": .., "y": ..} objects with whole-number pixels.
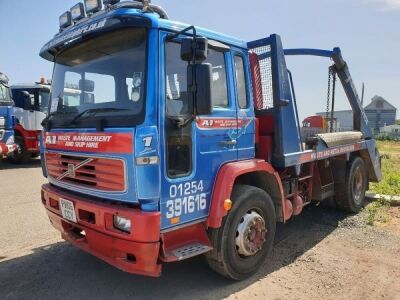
[
  {"x": 20, "y": 155},
  {"x": 246, "y": 235},
  {"x": 350, "y": 194}
]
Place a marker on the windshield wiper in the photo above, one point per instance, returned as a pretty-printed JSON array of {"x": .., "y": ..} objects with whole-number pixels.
[{"x": 94, "y": 111}]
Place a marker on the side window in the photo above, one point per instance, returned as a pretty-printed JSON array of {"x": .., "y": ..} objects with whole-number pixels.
[
  {"x": 177, "y": 103},
  {"x": 178, "y": 139},
  {"x": 241, "y": 82},
  {"x": 219, "y": 93}
]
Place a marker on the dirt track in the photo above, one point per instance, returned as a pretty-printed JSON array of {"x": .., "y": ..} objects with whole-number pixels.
[{"x": 319, "y": 255}]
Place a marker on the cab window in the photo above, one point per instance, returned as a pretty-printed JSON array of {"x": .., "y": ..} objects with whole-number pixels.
[
  {"x": 219, "y": 92},
  {"x": 241, "y": 82}
]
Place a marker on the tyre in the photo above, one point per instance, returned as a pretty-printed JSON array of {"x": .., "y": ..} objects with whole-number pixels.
[
  {"x": 21, "y": 155},
  {"x": 246, "y": 235},
  {"x": 350, "y": 194}
]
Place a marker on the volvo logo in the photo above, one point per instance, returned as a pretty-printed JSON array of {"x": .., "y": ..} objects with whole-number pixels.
[{"x": 71, "y": 170}]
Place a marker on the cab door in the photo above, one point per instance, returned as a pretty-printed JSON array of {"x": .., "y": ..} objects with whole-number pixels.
[
  {"x": 244, "y": 104},
  {"x": 193, "y": 152}
]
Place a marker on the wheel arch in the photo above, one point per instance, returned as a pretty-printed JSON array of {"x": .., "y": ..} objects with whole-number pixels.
[{"x": 254, "y": 172}]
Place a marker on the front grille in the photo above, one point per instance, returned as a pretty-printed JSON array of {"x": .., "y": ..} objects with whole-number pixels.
[{"x": 103, "y": 174}]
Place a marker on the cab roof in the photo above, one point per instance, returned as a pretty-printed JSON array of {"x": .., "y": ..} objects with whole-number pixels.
[
  {"x": 153, "y": 20},
  {"x": 20, "y": 86}
]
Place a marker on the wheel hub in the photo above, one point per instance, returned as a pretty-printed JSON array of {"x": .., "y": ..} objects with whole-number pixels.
[{"x": 250, "y": 234}]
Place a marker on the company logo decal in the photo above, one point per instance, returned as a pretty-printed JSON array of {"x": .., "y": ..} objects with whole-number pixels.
[
  {"x": 90, "y": 142},
  {"x": 221, "y": 123}
]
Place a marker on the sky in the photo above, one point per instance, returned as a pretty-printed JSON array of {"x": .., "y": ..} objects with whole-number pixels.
[{"x": 367, "y": 31}]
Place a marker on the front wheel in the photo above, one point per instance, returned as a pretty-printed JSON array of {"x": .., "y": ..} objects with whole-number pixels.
[{"x": 246, "y": 235}]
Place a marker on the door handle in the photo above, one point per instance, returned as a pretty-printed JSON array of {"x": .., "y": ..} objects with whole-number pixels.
[{"x": 229, "y": 143}]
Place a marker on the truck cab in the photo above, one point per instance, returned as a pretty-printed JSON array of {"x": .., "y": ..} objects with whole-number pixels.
[
  {"x": 138, "y": 90},
  {"x": 30, "y": 109},
  {"x": 124, "y": 138},
  {"x": 7, "y": 145},
  {"x": 174, "y": 145}
]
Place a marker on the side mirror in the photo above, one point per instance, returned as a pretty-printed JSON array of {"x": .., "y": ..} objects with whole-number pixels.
[
  {"x": 197, "y": 48},
  {"x": 202, "y": 98},
  {"x": 86, "y": 85}
]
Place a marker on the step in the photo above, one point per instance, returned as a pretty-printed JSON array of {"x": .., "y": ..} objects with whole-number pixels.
[{"x": 190, "y": 250}]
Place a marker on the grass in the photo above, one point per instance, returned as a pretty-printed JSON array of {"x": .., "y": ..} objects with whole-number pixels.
[
  {"x": 390, "y": 184},
  {"x": 377, "y": 212}
]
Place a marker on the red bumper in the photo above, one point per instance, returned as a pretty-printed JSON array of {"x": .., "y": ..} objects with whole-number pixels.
[{"x": 135, "y": 253}]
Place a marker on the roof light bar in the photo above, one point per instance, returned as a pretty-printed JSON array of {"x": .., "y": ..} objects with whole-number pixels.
[
  {"x": 78, "y": 12},
  {"x": 65, "y": 20},
  {"x": 110, "y": 2},
  {"x": 92, "y": 6}
]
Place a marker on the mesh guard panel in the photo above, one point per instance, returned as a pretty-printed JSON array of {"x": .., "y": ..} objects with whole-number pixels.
[{"x": 266, "y": 76}]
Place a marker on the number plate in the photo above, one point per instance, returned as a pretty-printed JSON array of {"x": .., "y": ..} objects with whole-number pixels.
[{"x": 68, "y": 210}]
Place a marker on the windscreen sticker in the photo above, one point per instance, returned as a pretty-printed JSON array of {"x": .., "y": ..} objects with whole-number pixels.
[
  {"x": 76, "y": 33},
  {"x": 90, "y": 142}
]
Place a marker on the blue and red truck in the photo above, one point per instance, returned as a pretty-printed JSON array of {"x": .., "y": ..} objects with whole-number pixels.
[
  {"x": 185, "y": 141},
  {"x": 30, "y": 108},
  {"x": 7, "y": 144}
]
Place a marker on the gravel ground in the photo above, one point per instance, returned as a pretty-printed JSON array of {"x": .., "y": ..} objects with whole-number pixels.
[{"x": 321, "y": 254}]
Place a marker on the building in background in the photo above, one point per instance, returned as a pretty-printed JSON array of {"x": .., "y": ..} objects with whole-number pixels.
[
  {"x": 380, "y": 113},
  {"x": 394, "y": 129}
]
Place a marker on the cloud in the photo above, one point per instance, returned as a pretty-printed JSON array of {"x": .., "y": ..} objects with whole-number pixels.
[{"x": 384, "y": 4}]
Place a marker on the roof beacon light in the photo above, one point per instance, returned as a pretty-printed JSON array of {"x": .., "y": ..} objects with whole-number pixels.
[
  {"x": 110, "y": 2},
  {"x": 77, "y": 12},
  {"x": 92, "y": 6},
  {"x": 65, "y": 20}
]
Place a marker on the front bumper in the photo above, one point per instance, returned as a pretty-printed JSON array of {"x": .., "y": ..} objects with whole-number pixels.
[{"x": 136, "y": 252}]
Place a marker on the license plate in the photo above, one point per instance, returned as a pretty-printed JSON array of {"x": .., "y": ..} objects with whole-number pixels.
[{"x": 68, "y": 210}]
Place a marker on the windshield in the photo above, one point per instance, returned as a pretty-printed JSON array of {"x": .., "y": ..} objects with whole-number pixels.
[
  {"x": 105, "y": 72},
  {"x": 31, "y": 98},
  {"x": 5, "y": 98}
]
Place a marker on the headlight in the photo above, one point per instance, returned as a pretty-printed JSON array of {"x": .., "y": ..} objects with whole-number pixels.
[
  {"x": 65, "y": 20},
  {"x": 92, "y": 6},
  {"x": 122, "y": 224},
  {"x": 10, "y": 140},
  {"x": 2, "y": 122},
  {"x": 77, "y": 12}
]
